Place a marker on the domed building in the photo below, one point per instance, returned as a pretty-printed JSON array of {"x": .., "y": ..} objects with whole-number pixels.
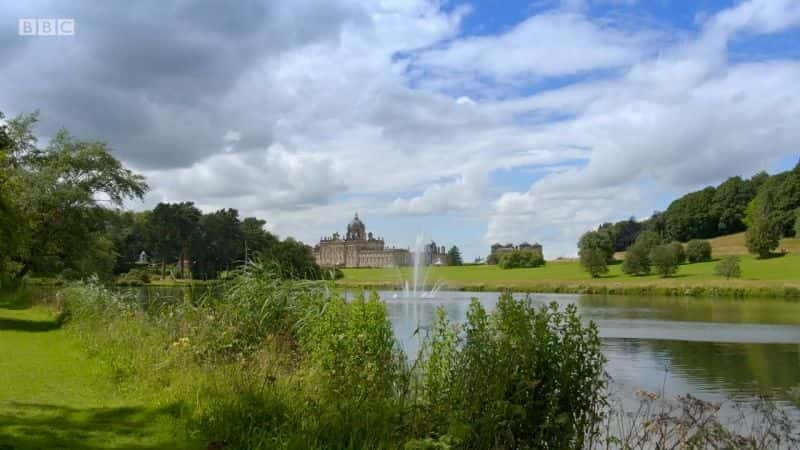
[{"x": 358, "y": 249}]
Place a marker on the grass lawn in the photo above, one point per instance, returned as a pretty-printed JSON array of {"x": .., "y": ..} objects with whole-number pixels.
[
  {"x": 774, "y": 272},
  {"x": 54, "y": 396}
]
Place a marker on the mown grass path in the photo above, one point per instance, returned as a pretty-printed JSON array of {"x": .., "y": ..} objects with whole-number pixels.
[{"x": 54, "y": 396}]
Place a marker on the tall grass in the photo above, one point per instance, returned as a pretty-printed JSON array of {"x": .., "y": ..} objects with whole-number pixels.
[{"x": 275, "y": 363}]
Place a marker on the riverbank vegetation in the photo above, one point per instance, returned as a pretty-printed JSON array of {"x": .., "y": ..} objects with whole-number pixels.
[{"x": 276, "y": 363}]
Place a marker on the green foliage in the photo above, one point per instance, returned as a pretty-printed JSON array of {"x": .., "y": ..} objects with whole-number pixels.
[
  {"x": 595, "y": 249},
  {"x": 523, "y": 377},
  {"x": 677, "y": 249},
  {"x": 454, "y": 257},
  {"x": 352, "y": 345},
  {"x": 623, "y": 233},
  {"x": 797, "y": 223},
  {"x": 763, "y": 235},
  {"x": 698, "y": 250},
  {"x": 521, "y": 258},
  {"x": 729, "y": 267},
  {"x": 691, "y": 216},
  {"x": 55, "y": 200},
  {"x": 637, "y": 257},
  {"x": 665, "y": 259},
  {"x": 776, "y": 202}
]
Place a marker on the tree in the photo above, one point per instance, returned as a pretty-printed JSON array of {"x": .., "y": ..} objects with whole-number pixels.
[
  {"x": 294, "y": 260},
  {"x": 595, "y": 249},
  {"x": 728, "y": 267},
  {"x": 730, "y": 202},
  {"x": 520, "y": 259},
  {"x": 255, "y": 239},
  {"x": 677, "y": 249},
  {"x": 637, "y": 259},
  {"x": 763, "y": 235},
  {"x": 764, "y": 227},
  {"x": 698, "y": 250},
  {"x": 218, "y": 244},
  {"x": 777, "y": 199},
  {"x": 60, "y": 196},
  {"x": 664, "y": 259},
  {"x": 454, "y": 257},
  {"x": 797, "y": 223},
  {"x": 691, "y": 217}
]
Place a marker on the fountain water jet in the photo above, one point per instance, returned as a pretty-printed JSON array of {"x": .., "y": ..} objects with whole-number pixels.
[{"x": 419, "y": 275}]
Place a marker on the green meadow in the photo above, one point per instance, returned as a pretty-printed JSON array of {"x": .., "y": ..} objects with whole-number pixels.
[
  {"x": 54, "y": 395},
  {"x": 758, "y": 276}
]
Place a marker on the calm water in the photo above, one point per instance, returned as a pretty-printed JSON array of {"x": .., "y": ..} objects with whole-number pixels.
[{"x": 716, "y": 349}]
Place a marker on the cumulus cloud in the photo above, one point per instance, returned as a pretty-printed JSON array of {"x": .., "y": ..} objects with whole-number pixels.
[
  {"x": 302, "y": 112},
  {"x": 676, "y": 121}
]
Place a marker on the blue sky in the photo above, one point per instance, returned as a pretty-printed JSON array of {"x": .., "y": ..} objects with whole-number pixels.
[{"x": 472, "y": 122}]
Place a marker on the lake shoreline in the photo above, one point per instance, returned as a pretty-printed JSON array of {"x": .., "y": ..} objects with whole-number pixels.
[{"x": 741, "y": 289}]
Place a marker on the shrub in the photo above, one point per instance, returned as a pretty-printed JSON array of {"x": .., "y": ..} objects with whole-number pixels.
[
  {"x": 729, "y": 267},
  {"x": 664, "y": 259},
  {"x": 353, "y": 346},
  {"x": 698, "y": 250},
  {"x": 677, "y": 249},
  {"x": 763, "y": 235},
  {"x": 522, "y": 377},
  {"x": 595, "y": 250},
  {"x": 637, "y": 260},
  {"x": 521, "y": 258}
]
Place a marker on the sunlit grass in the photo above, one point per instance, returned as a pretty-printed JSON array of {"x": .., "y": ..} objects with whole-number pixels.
[
  {"x": 782, "y": 270},
  {"x": 54, "y": 396}
]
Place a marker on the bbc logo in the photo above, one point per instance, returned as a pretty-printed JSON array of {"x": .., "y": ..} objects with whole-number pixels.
[{"x": 46, "y": 27}]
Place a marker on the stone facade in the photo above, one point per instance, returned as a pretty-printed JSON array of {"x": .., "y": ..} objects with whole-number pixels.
[{"x": 358, "y": 249}]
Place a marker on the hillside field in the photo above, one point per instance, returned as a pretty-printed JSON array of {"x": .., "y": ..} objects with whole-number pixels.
[{"x": 567, "y": 275}]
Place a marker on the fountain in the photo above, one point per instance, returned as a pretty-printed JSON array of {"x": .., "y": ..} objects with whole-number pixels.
[{"x": 419, "y": 275}]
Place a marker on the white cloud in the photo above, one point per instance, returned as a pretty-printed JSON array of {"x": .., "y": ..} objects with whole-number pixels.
[
  {"x": 671, "y": 123},
  {"x": 545, "y": 45},
  {"x": 462, "y": 194}
]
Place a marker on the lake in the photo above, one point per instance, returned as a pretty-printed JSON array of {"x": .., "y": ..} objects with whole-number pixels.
[{"x": 715, "y": 349}]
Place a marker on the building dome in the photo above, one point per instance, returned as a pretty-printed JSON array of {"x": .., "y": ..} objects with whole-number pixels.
[{"x": 356, "y": 229}]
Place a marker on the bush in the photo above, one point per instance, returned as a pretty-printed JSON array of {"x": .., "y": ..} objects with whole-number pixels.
[
  {"x": 698, "y": 250},
  {"x": 665, "y": 259},
  {"x": 595, "y": 250},
  {"x": 520, "y": 259},
  {"x": 522, "y": 377},
  {"x": 637, "y": 260},
  {"x": 678, "y": 251},
  {"x": 729, "y": 267}
]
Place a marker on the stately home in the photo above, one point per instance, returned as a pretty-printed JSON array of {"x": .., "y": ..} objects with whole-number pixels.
[
  {"x": 500, "y": 249},
  {"x": 358, "y": 249}
]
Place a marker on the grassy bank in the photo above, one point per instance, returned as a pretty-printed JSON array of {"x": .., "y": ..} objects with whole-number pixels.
[
  {"x": 55, "y": 395},
  {"x": 774, "y": 277}
]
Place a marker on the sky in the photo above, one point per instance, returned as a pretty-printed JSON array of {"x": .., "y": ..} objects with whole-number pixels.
[{"x": 470, "y": 122}]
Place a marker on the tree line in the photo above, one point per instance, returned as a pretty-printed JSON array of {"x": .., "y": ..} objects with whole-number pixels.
[
  {"x": 766, "y": 206},
  {"x": 61, "y": 214}
]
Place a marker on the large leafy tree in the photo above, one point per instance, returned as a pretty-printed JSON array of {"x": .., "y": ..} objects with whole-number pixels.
[
  {"x": 219, "y": 242},
  {"x": 255, "y": 239},
  {"x": 60, "y": 195},
  {"x": 595, "y": 249},
  {"x": 690, "y": 216},
  {"x": 176, "y": 226}
]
